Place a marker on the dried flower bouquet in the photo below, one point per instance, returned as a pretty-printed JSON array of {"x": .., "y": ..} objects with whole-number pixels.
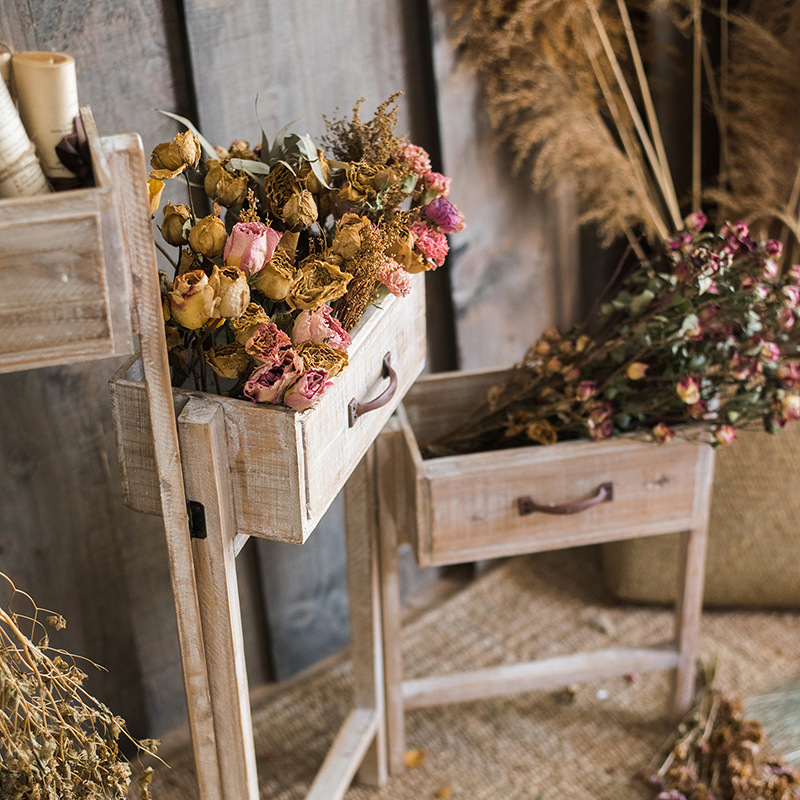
[{"x": 267, "y": 297}]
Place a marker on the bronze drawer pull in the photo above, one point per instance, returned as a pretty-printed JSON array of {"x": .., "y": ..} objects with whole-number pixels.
[
  {"x": 604, "y": 494},
  {"x": 356, "y": 409}
]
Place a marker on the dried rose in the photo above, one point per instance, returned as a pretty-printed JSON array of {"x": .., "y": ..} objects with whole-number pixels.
[
  {"x": 172, "y": 158},
  {"x": 359, "y": 184},
  {"x": 234, "y": 293},
  {"x": 250, "y": 246},
  {"x": 207, "y": 237},
  {"x": 724, "y": 434},
  {"x": 308, "y": 390},
  {"x": 320, "y": 326},
  {"x": 696, "y": 221},
  {"x": 300, "y": 211},
  {"x": 268, "y": 383},
  {"x": 317, "y": 282},
  {"x": 279, "y": 186},
  {"x": 154, "y": 190},
  {"x": 442, "y": 213},
  {"x": 349, "y": 235},
  {"x": 277, "y": 276},
  {"x": 245, "y": 325},
  {"x": 586, "y": 390},
  {"x": 268, "y": 343},
  {"x": 222, "y": 186},
  {"x": 541, "y": 432},
  {"x": 311, "y": 180},
  {"x": 228, "y": 360},
  {"x": 636, "y": 371},
  {"x": 790, "y": 407},
  {"x": 193, "y": 300},
  {"x": 688, "y": 390},
  {"x": 172, "y": 226},
  {"x": 319, "y": 355},
  {"x": 663, "y": 433}
]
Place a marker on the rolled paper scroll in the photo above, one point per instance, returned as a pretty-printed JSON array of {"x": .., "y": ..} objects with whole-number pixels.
[
  {"x": 20, "y": 172},
  {"x": 47, "y": 93}
]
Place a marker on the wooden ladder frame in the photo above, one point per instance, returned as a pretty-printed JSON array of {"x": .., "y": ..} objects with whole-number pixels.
[{"x": 191, "y": 464}]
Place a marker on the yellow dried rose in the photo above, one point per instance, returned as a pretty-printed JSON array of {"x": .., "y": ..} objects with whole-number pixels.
[
  {"x": 276, "y": 277},
  {"x": 245, "y": 325},
  {"x": 228, "y": 360},
  {"x": 300, "y": 210},
  {"x": 320, "y": 355},
  {"x": 172, "y": 158},
  {"x": 317, "y": 282},
  {"x": 348, "y": 238},
  {"x": 208, "y": 236},
  {"x": 175, "y": 218},
  {"x": 359, "y": 184},
  {"x": 541, "y": 432},
  {"x": 222, "y": 186},
  {"x": 234, "y": 293},
  {"x": 193, "y": 300}
]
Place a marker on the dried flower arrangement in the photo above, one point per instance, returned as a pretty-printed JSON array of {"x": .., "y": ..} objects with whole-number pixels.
[
  {"x": 701, "y": 329},
  {"x": 268, "y": 297},
  {"x": 56, "y": 740}
]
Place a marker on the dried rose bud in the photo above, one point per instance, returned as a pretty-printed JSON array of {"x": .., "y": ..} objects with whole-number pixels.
[
  {"x": 276, "y": 277},
  {"x": 300, "y": 210},
  {"x": 234, "y": 292},
  {"x": 663, "y": 433},
  {"x": 320, "y": 326},
  {"x": 245, "y": 325},
  {"x": 311, "y": 180},
  {"x": 175, "y": 218},
  {"x": 189, "y": 148},
  {"x": 308, "y": 390},
  {"x": 193, "y": 300},
  {"x": 208, "y": 236},
  {"x": 267, "y": 384},
  {"x": 172, "y": 158},
  {"x": 319, "y": 355},
  {"x": 222, "y": 186},
  {"x": 636, "y": 371},
  {"x": 359, "y": 182},
  {"x": 688, "y": 390},
  {"x": 724, "y": 434},
  {"x": 250, "y": 246},
  {"x": 541, "y": 432},
  {"x": 349, "y": 236},
  {"x": 228, "y": 360}
]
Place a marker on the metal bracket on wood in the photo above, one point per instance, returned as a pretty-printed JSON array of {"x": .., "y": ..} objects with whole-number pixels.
[{"x": 197, "y": 519}]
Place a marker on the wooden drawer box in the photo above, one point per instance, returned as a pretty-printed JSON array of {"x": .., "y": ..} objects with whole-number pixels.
[
  {"x": 286, "y": 467},
  {"x": 64, "y": 285},
  {"x": 469, "y": 507}
]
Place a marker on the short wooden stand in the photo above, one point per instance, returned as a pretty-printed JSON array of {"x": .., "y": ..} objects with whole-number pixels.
[{"x": 464, "y": 508}]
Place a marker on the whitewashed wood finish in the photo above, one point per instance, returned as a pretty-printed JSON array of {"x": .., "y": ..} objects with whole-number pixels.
[
  {"x": 201, "y": 428},
  {"x": 286, "y": 467},
  {"x": 127, "y": 163},
  {"x": 464, "y": 508},
  {"x": 64, "y": 285}
]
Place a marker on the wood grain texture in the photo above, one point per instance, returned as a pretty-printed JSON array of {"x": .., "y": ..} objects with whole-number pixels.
[{"x": 513, "y": 270}]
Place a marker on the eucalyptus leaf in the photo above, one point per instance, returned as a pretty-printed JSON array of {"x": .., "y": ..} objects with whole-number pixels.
[
  {"x": 277, "y": 145},
  {"x": 249, "y": 166},
  {"x": 204, "y": 143}
]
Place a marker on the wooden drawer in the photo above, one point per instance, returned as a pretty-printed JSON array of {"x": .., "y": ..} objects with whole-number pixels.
[
  {"x": 286, "y": 467},
  {"x": 64, "y": 283},
  {"x": 474, "y": 506}
]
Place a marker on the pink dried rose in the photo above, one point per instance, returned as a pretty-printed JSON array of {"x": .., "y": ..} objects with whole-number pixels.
[
  {"x": 395, "y": 278},
  {"x": 442, "y": 213},
  {"x": 688, "y": 390},
  {"x": 436, "y": 183},
  {"x": 788, "y": 374},
  {"x": 415, "y": 157},
  {"x": 268, "y": 343},
  {"x": 771, "y": 269},
  {"x": 663, "y": 433},
  {"x": 430, "y": 243},
  {"x": 319, "y": 327},
  {"x": 786, "y": 319},
  {"x": 790, "y": 407},
  {"x": 770, "y": 352},
  {"x": 696, "y": 221},
  {"x": 601, "y": 430},
  {"x": 308, "y": 390},
  {"x": 586, "y": 390},
  {"x": 773, "y": 248},
  {"x": 791, "y": 296},
  {"x": 724, "y": 434},
  {"x": 250, "y": 246},
  {"x": 267, "y": 384}
]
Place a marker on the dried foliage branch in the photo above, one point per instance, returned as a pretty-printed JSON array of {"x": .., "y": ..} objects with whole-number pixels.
[{"x": 56, "y": 740}]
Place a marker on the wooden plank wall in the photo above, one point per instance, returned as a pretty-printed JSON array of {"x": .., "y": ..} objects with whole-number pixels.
[{"x": 64, "y": 534}]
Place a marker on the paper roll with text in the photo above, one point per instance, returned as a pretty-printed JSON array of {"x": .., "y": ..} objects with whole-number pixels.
[
  {"x": 20, "y": 172},
  {"x": 47, "y": 94}
]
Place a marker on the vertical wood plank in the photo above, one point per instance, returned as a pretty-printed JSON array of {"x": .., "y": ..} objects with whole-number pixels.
[
  {"x": 366, "y": 655},
  {"x": 201, "y": 429}
]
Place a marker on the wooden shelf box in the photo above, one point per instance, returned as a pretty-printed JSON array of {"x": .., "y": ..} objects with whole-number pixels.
[
  {"x": 64, "y": 283},
  {"x": 286, "y": 467},
  {"x": 467, "y": 508}
]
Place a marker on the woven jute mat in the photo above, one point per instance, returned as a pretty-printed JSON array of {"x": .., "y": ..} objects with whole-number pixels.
[{"x": 529, "y": 745}]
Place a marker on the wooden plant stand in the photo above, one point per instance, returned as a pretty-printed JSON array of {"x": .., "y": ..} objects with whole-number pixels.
[
  {"x": 204, "y": 456},
  {"x": 485, "y": 505}
]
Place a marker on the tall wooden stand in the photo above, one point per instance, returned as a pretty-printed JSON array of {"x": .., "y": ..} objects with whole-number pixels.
[{"x": 191, "y": 465}]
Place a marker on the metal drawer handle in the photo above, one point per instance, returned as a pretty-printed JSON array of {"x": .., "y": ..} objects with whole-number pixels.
[
  {"x": 604, "y": 494},
  {"x": 356, "y": 409}
]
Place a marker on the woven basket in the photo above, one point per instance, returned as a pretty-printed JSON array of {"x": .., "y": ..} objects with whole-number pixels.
[{"x": 754, "y": 536}]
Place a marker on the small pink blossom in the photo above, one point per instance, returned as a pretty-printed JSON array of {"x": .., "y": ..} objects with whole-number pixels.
[
  {"x": 738, "y": 230},
  {"x": 430, "y": 243},
  {"x": 267, "y": 344},
  {"x": 415, "y": 157},
  {"x": 791, "y": 296},
  {"x": 770, "y": 352},
  {"x": 771, "y": 269},
  {"x": 395, "y": 278},
  {"x": 437, "y": 183},
  {"x": 698, "y": 410},
  {"x": 600, "y": 412},
  {"x": 601, "y": 430},
  {"x": 268, "y": 383},
  {"x": 308, "y": 390},
  {"x": 663, "y": 433},
  {"x": 679, "y": 240},
  {"x": 250, "y": 246},
  {"x": 741, "y": 368},
  {"x": 773, "y": 248},
  {"x": 586, "y": 390},
  {"x": 788, "y": 374},
  {"x": 786, "y": 319},
  {"x": 320, "y": 327},
  {"x": 688, "y": 390},
  {"x": 696, "y": 221},
  {"x": 725, "y": 434},
  {"x": 760, "y": 291}
]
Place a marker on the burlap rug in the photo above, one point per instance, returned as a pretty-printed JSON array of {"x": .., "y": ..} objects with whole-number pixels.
[{"x": 521, "y": 747}]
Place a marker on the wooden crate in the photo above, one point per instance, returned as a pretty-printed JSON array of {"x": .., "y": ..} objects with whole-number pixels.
[
  {"x": 286, "y": 466},
  {"x": 477, "y": 506},
  {"x": 64, "y": 282}
]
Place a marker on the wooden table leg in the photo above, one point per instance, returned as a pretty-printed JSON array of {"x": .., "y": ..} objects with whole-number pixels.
[{"x": 201, "y": 427}]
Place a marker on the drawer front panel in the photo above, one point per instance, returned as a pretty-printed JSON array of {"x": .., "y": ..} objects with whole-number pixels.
[{"x": 472, "y": 511}]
